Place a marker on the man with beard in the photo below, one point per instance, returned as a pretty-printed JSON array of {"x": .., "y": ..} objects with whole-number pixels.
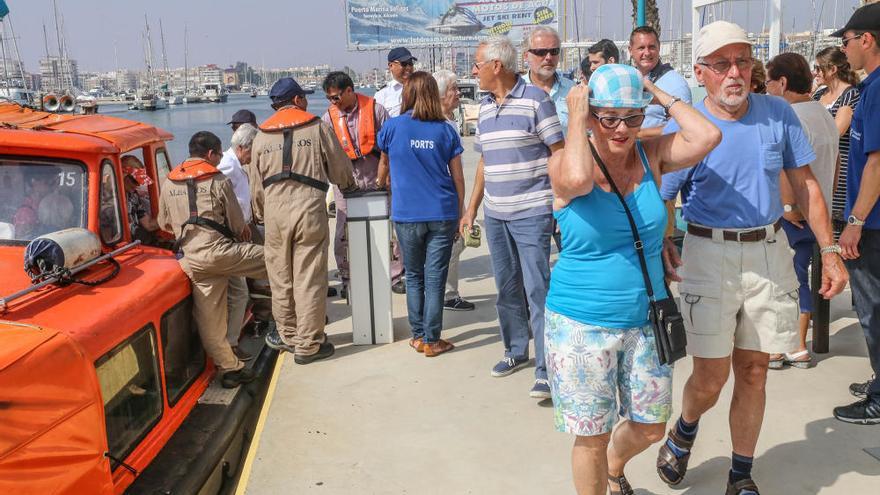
[
  {"x": 738, "y": 287},
  {"x": 644, "y": 48},
  {"x": 542, "y": 56}
]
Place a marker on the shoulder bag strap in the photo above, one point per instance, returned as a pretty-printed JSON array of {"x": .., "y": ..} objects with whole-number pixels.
[{"x": 632, "y": 224}]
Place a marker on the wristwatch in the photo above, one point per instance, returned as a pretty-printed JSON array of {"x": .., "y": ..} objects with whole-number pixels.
[
  {"x": 852, "y": 220},
  {"x": 787, "y": 208},
  {"x": 667, "y": 106},
  {"x": 833, "y": 248}
]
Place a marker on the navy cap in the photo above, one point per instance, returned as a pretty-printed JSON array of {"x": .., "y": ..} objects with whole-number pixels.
[
  {"x": 243, "y": 117},
  {"x": 400, "y": 54},
  {"x": 865, "y": 18},
  {"x": 286, "y": 88}
]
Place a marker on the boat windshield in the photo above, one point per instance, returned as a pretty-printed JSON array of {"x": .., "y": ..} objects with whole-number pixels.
[{"x": 39, "y": 197}]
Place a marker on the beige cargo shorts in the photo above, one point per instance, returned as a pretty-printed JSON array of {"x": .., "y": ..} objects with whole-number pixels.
[{"x": 738, "y": 294}]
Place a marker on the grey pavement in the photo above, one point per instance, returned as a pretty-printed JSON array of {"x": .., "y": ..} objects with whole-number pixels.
[{"x": 386, "y": 420}]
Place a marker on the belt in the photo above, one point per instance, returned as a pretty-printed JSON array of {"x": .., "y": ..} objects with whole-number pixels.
[{"x": 756, "y": 235}]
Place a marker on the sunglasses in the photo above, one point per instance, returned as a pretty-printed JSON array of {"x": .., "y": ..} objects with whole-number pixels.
[
  {"x": 405, "y": 64},
  {"x": 334, "y": 98},
  {"x": 845, "y": 41},
  {"x": 723, "y": 66},
  {"x": 542, "y": 52},
  {"x": 631, "y": 121}
]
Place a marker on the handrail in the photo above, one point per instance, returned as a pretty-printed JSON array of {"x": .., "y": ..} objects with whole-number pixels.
[{"x": 4, "y": 301}]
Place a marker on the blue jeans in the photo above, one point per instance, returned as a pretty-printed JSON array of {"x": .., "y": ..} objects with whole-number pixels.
[
  {"x": 802, "y": 241},
  {"x": 426, "y": 248},
  {"x": 520, "y": 251},
  {"x": 864, "y": 279}
]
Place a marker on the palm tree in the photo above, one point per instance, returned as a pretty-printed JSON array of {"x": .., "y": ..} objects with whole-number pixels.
[{"x": 652, "y": 14}]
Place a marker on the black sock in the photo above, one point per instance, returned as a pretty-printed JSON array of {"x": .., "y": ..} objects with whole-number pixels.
[
  {"x": 740, "y": 467},
  {"x": 686, "y": 431}
]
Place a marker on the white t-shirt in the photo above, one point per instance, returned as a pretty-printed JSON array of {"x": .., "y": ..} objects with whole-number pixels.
[
  {"x": 231, "y": 168},
  {"x": 822, "y": 134},
  {"x": 390, "y": 97}
]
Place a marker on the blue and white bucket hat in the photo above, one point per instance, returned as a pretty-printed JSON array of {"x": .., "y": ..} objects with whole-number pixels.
[{"x": 618, "y": 86}]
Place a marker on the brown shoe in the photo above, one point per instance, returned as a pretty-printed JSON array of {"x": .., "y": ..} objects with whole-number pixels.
[
  {"x": 436, "y": 348},
  {"x": 417, "y": 344}
]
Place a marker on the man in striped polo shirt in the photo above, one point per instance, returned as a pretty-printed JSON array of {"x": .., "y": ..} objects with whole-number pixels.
[{"x": 517, "y": 132}]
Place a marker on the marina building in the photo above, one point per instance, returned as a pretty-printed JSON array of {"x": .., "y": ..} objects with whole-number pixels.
[{"x": 58, "y": 74}]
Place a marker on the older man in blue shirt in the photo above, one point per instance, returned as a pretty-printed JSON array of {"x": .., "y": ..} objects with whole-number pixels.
[
  {"x": 542, "y": 56},
  {"x": 738, "y": 287}
]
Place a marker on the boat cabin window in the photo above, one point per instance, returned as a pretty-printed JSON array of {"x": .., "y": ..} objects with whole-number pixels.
[
  {"x": 163, "y": 166},
  {"x": 129, "y": 379},
  {"x": 39, "y": 197},
  {"x": 110, "y": 222},
  {"x": 182, "y": 348}
]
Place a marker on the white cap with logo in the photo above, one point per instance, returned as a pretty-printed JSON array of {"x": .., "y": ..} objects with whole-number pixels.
[{"x": 717, "y": 35}]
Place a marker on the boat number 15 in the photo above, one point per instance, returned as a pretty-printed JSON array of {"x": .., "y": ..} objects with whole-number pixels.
[{"x": 66, "y": 179}]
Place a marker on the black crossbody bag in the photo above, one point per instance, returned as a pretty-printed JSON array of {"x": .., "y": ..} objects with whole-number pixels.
[{"x": 666, "y": 320}]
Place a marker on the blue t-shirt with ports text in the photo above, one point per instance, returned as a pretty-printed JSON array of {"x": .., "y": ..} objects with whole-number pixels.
[
  {"x": 737, "y": 184},
  {"x": 419, "y": 153}
]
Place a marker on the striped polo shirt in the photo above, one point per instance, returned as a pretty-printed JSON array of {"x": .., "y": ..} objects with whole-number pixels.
[{"x": 514, "y": 139}]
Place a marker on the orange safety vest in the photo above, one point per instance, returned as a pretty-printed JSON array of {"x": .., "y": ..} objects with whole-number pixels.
[
  {"x": 366, "y": 128},
  {"x": 189, "y": 172},
  {"x": 287, "y": 118}
]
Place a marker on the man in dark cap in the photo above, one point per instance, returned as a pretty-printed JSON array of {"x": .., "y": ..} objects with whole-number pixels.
[
  {"x": 860, "y": 240},
  {"x": 294, "y": 158},
  {"x": 242, "y": 117},
  {"x": 400, "y": 64}
]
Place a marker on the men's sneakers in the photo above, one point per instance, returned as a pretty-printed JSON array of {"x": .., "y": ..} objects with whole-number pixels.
[
  {"x": 508, "y": 365},
  {"x": 325, "y": 350},
  {"x": 863, "y": 412},
  {"x": 860, "y": 389},
  {"x": 242, "y": 354},
  {"x": 540, "y": 390},
  {"x": 273, "y": 340},
  {"x": 399, "y": 287},
  {"x": 232, "y": 379},
  {"x": 458, "y": 304}
]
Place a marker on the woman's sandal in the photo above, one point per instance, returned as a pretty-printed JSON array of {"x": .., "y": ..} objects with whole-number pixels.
[
  {"x": 797, "y": 359},
  {"x": 623, "y": 486},
  {"x": 777, "y": 361},
  {"x": 668, "y": 463}
]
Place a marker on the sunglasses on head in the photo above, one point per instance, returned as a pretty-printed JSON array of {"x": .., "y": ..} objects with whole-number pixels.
[
  {"x": 542, "y": 52},
  {"x": 610, "y": 122}
]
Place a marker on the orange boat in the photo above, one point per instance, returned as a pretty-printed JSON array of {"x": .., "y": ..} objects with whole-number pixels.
[{"x": 100, "y": 383}]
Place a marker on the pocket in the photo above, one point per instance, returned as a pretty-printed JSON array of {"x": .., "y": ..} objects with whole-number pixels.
[
  {"x": 771, "y": 154},
  {"x": 701, "y": 307}
]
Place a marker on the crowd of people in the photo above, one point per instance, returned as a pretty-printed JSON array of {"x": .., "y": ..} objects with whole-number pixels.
[{"x": 760, "y": 178}]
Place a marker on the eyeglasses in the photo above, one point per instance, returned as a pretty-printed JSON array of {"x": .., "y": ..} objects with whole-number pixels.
[
  {"x": 542, "y": 52},
  {"x": 609, "y": 122},
  {"x": 479, "y": 65},
  {"x": 334, "y": 98},
  {"x": 723, "y": 66},
  {"x": 406, "y": 64},
  {"x": 845, "y": 41}
]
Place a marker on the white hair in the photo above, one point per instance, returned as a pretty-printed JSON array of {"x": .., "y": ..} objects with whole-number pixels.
[
  {"x": 541, "y": 30},
  {"x": 244, "y": 136},
  {"x": 500, "y": 48},
  {"x": 445, "y": 79}
]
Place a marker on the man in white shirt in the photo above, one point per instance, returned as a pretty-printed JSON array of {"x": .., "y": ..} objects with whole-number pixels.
[
  {"x": 400, "y": 64},
  {"x": 239, "y": 153}
]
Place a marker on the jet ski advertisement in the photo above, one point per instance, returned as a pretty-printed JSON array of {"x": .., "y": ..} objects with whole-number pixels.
[{"x": 374, "y": 24}]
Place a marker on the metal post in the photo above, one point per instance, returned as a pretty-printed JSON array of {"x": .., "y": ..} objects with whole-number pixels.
[
  {"x": 640, "y": 17},
  {"x": 821, "y": 306}
]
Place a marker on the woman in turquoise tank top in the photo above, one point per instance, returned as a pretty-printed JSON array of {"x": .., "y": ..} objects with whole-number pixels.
[{"x": 601, "y": 355}]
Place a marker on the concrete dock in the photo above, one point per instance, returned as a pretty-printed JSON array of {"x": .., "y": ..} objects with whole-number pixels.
[{"x": 386, "y": 420}]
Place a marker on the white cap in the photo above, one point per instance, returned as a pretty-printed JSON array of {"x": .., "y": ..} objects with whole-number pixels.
[{"x": 718, "y": 35}]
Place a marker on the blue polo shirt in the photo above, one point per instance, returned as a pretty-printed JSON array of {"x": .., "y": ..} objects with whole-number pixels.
[
  {"x": 419, "y": 153},
  {"x": 737, "y": 184},
  {"x": 558, "y": 93},
  {"x": 675, "y": 85},
  {"x": 864, "y": 139},
  {"x": 514, "y": 139}
]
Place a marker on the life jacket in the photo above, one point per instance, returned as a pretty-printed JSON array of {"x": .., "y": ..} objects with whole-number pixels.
[
  {"x": 287, "y": 120},
  {"x": 366, "y": 128},
  {"x": 190, "y": 172}
]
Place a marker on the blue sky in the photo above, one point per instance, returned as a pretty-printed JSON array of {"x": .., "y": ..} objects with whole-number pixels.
[{"x": 285, "y": 33}]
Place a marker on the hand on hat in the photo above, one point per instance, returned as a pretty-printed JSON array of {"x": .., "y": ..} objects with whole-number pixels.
[{"x": 578, "y": 101}]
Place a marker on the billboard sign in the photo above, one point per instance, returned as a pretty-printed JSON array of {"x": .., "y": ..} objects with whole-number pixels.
[{"x": 414, "y": 23}]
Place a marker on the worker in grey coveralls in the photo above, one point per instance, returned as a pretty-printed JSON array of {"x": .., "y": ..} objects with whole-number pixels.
[
  {"x": 198, "y": 206},
  {"x": 295, "y": 157}
]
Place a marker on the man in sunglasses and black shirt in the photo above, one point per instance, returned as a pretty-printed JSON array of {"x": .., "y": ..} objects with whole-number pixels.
[
  {"x": 644, "y": 49},
  {"x": 542, "y": 56},
  {"x": 400, "y": 65}
]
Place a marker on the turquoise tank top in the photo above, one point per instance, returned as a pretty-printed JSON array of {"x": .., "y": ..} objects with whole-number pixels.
[{"x": 597, "y": 279}]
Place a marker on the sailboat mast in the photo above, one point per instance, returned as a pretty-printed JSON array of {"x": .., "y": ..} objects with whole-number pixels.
[
  {"x": 17, "y": 54},
  {"x": 60, "y": 79},
  {"x": 185, "y": 62},
  {"x": 164, "y": 57},
  {"x": 149, "y": 47},
  {"x": 5, "y": 60}
]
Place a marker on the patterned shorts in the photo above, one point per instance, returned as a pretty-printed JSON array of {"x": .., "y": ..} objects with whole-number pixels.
[{"x": 589, "y": 367}]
